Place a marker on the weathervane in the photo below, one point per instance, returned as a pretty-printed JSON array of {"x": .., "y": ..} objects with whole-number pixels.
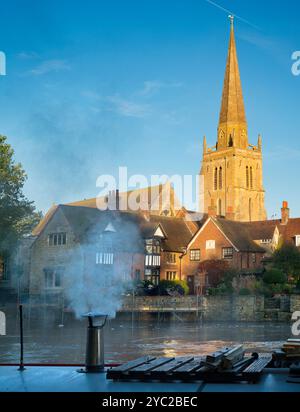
[{"x": 231, "y": 18}]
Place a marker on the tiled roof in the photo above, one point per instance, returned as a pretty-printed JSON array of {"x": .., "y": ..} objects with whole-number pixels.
[{"x": 239, "y": 234}]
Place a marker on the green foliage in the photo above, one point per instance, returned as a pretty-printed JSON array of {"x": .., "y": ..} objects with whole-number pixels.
[
  {"x": 221, "y": 289},
  {"x": 17, "y": 213},
  {"x": 274, "y": 276},
  {"x": 245, "y": 292},
  {"x": 287, "y": 259},
  {"x": 167, "y": 287}
]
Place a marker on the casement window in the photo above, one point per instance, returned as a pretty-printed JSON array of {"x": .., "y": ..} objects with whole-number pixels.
[
  {"x": 210, "y": 244},
  {"x": 152, "y": 276},
  {"x": 104, "y": 258},
  {"x": 53, "y": 278},
  {"x": 195, "y": 254},
  {"x": 227, "y": 252},
  {"x": 171, "y": 275},
  {"x": 57, "y": 239},
  {"x": 171, "y": 258},
  {"x": 265, "y": 241},
  {"x": 3, "y": 269},
  {"x": 297, "y": 240},
  {"x": 152, "y": 246},
  {"x": 152, "y": 260}
]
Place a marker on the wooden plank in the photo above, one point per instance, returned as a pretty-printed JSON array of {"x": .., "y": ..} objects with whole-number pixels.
[
  {"x": 217, "y": 355},
  {"x": 174, "y": 364},
  {"x": 132, "y": 364},
  {"x": 258, "y": 365},
  {"x": 148, "y": 366},
  {"x": 189, "y": 367}
]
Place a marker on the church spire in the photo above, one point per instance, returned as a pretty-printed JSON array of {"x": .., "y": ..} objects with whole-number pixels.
[{"x": 232, "y": 121}]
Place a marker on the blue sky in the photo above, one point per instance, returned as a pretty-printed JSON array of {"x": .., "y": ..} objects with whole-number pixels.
[{"x": 94, "y": 85}]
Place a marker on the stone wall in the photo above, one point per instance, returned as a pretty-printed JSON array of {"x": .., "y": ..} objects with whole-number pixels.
[{"x": 218, "y": 308}]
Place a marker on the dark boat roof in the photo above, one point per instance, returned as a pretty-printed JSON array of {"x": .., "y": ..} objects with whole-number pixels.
[{"x": 67, "y": 379}]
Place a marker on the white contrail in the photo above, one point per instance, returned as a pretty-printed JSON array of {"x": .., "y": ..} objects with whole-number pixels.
[{"x": 231, "y": 12}]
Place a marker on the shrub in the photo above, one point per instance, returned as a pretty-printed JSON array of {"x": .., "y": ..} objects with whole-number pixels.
[
  {"x": 168, "y": 286},
  {"x": 274, "y": 276},
  {"x": 245, "y": 292}
]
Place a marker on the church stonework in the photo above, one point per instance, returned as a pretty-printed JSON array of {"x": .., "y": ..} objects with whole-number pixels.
[{"x": 231, "y": 172}]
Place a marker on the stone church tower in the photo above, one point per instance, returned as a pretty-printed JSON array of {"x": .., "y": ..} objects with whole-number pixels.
[{"x": 231, "y": 173}]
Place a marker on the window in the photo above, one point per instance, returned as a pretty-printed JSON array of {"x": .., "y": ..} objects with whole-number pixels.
[
  {"x": 104, "y": 258},
  {"x": 250, "y": 210},
  {"x": 171, "y": 275},
  {"x": 152, "y": 246},
  {"x": 247, "y": 177},
  {"x": 171, "y": 258},
  {"x": 297, "y": 240},
  {"x": 57, "y": 239},
  {"x": 210, "y": 244},
  {"x": 216, "y": 179},
  {"x": 227, "y": 252},
  {"x": 265, "y": 241},
  {"x": 152, "y": 276},
  {"x": 53, "y": 278},
  {"x": 220, "y": 178},
  {"x": 152, "y": 260},
  {"x": 137, "y": 274},
  {"x": 195, "y": 254},
  {"x": 253, "y": 257},
  {"x": 3, "y": 269},
  {"x": 251, "y": 178}
]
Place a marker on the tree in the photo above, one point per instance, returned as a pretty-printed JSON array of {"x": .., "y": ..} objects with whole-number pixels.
[
  {"x": 17, "y": 214},
  {"x": 287, "y": 259},
  {"x": 274, "y": 276},
  {"x": 217, "y": 271}
]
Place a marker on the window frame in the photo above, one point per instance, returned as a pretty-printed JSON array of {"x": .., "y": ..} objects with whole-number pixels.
[
  {"x": 227, "y": 256},
  {"x": 195, "y": 255}
]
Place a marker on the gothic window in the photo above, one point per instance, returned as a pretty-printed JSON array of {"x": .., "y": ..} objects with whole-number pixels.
[
  {"x": 251, "y": 178},
  {"x": 216, "y": 179},
  {"x": 230, "y": 143},
  {"x": 247, "y": 177},
  {"x": 220, "y": 178}
]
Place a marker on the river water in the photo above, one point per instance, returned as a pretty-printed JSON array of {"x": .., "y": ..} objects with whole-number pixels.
[{"x": 49, "y": 342}]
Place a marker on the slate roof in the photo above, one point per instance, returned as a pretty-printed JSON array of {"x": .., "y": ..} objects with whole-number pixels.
[{"x": 239, "y": 234}]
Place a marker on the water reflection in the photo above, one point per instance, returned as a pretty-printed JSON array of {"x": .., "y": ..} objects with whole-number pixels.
[{"x": 49, "y": 343}]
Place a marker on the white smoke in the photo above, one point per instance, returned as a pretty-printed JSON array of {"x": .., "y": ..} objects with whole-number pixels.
[{"x": 91, "y": 287}]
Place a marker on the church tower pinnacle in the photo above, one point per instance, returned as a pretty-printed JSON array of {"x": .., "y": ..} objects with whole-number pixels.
[{"x": 232, "y": 170}]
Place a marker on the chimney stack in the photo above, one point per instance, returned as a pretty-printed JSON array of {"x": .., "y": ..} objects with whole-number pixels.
[{"x": 285, "y": 213}]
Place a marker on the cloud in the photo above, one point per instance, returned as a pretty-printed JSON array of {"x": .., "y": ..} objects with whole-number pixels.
[
  {"x": 26, "y": 55},
  {"x": 258, "y": 40},
  {"x": 127, "y": 108},
  {"x": 48, "y": 66},
  {"x": 153, "y": 86},
  {"x": 120, "y": 105}
]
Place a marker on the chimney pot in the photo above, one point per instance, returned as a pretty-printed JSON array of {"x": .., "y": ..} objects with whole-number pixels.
[{"x": 285, "y": 213}]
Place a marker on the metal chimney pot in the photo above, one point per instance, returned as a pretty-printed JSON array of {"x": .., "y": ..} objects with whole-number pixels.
[{"x": 94, "y": 356}]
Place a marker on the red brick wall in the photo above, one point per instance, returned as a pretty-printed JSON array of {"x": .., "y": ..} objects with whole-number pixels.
[{"x": 240, "y": 260}]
